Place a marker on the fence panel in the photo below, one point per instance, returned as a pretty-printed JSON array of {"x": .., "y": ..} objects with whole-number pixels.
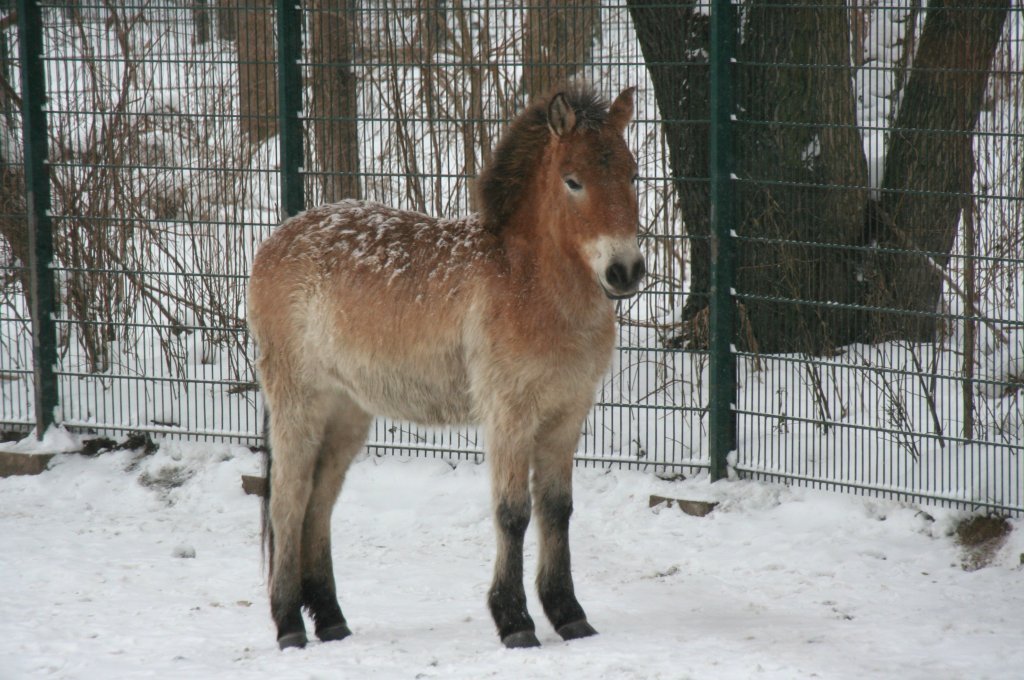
[
  {"x": 879, "y": 251},
  {"x": 873, "y": 320},
  {"x": 403, "y": 104},
  {"x": 161, "y": 188},
  {"x": 166, "y": 173}
]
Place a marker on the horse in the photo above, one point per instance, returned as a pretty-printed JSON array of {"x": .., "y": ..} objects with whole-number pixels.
[{"x": 503, "y": 318}]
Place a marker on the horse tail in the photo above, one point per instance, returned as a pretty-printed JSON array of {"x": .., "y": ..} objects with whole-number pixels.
[{"x": 267, "y": 528}]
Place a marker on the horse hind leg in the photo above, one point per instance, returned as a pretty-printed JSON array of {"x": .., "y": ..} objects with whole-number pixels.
[
  {"x": 345, "y": 433},
  {"x": 297, "y": 425}
]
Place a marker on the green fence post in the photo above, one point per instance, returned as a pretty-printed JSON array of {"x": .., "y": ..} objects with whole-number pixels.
[
  {"x": 289, "y": 105},
  {"x": 37, "y": 200},
  {"x": 289, "y": 109},
  {"x": 722, "y": 361}
]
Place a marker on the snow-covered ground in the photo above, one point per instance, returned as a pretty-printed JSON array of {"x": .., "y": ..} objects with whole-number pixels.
[{"x": 99, "y": 580}]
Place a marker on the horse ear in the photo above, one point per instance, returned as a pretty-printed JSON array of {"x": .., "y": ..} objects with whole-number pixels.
[
  {"x": 561, "y": 117},
  {"x": 621, "y": 111}
]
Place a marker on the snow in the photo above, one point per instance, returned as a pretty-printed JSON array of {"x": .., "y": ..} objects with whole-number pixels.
[
  {"x": 812, "y": 152},
  {"x": 129, "y": 566},
  {"x": 55, "y": 440}
]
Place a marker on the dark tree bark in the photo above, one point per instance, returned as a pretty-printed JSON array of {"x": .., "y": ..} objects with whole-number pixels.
[
  {"x": 201, "y": 19},
  {"x": 558, "y": 42},
  {"x": 803, "y": 193},
  {"x": 13, "y": 221},
  {"x": 334, "y": 105},
  {"x": 796, "y": 143},
  {"x": 432, "y": 36},
  {"x": 929, "y": 166},
  {"x": 227, "y": 20},
  {"x": 475, "y": 138},
  {"x": 675, "y": 42},
  {"x": 257, "y": 69}
]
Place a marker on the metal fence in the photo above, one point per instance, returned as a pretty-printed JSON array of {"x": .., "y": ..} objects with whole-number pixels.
[{"x": 830, "y": 197}]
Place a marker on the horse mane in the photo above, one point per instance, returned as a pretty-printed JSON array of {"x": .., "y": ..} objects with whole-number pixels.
[{"x": 502, "y": 181}]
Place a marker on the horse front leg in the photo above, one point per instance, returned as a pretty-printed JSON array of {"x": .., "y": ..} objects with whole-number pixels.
[
  {"x": 552, "y": 492},
  {"x": 510, "y": 470},
  {"x": 346, "y": 430}
]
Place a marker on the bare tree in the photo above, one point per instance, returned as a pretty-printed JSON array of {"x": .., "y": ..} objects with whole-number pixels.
[
  {"x": 558, "y": 42},
  {"x": 334, "y": 106},
  {"x": 227, "y": 20},
  {"x": 257, "y": 68},
  {"x": 805, "y": 176},
  {"x": 803, "y": 200},
  {"x": 929, "y": 167},
  {"x": 675, "y": 41},
  {"x": 475, "y": 138},
  {"x": 13, "y": 225},
  {"x": 201, "y": 19}
]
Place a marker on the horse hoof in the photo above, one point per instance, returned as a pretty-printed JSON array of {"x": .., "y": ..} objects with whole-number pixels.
[
  {"x": 292, "y": 640},
  {"x": 576, "y": 630},
  {"x": 336, "y": 632},
  {"x": 521, "y": 640}
]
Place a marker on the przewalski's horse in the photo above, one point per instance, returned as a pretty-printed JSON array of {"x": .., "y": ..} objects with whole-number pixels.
[{"x": 504, "y": 319}]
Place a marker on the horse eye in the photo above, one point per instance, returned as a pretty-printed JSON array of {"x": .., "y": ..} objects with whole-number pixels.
[{"x": 572, "y": 184}]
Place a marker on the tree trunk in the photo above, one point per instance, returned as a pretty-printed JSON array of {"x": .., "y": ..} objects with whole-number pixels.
[
  {"x": 803, "y": 170},
  {"x": 257, "y": 69},
  {"x": 929, "y": 165},
  {"x": 797, "y": 144},
  {"x": 334, "y": 105},
  {"x": 675, "y": 42},
  {"x": 227, "y": 20},
  {"x": 432, "y": 36},
  {"x": 201, "y": 20},
  {"x": 14, "y": 223},
  {"x": 13, "y": 220},
  {"x": 558, "y": 42}
]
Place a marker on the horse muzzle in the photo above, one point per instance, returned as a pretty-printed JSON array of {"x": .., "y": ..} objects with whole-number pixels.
[{"x": 621, "y": 279}]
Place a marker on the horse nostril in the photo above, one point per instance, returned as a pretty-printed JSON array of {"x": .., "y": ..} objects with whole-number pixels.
[
  {"x": 617, "y": 276},
  {"x": 639, "y": 271}
]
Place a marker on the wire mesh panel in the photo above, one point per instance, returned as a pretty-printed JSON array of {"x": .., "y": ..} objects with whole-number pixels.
[
  {"x": 872, "y": 166},
  {"x": 879, "y": 249},
  {"x": 165, "y": 129},
  {"x": 403, "y": 104},
  {"x": 162, "y": 183}
]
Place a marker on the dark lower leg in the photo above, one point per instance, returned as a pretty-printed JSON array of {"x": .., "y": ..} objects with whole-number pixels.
[
  {"x": 294, "y": 424},
  {"x": 320, "y": 598},
  {"x": 286, "y": 609},
  {"x": 554, "y": 578},
  {"x": 507, "y": 598},
  {"x": 344, "y": 436},
  {"x": 285, "y": 584}
]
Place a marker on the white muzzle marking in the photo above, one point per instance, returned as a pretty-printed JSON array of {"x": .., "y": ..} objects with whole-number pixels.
[{"x": 617, "y": 263}]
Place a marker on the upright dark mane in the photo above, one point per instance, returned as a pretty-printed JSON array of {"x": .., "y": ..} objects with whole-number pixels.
[{"x": 515, "y": 157}]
